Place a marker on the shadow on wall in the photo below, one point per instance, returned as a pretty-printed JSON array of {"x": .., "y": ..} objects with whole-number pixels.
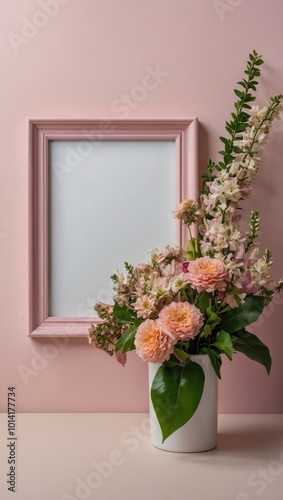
[{"x": 203, "y": 149}]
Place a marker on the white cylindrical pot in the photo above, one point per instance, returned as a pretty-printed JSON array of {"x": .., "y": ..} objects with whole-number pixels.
[{"x": 200, "y": 432}]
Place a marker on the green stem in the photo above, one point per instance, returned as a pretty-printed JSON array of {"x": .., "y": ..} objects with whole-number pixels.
[
  {"x": 192, "y": 240},
  {"x": 224, "y": 296},
  {"x": 180, "y": 355},
  {"x": 185, "y": 295}
]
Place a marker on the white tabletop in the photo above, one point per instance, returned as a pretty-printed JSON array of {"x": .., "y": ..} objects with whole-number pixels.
[{"x": 109, "y": 457}]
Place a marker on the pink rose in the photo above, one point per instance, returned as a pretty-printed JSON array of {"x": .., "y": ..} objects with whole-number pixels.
[
  {"x": 152, "y": 344},
  {"x": 180, "y": 320},
  {"x": 207, "y": 274}
]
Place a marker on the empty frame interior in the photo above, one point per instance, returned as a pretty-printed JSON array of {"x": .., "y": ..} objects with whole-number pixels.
[{"x": 109, "y": 202}]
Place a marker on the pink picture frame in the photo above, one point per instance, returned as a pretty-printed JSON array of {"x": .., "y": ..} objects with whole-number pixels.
[{"x": 183, "y": 132}]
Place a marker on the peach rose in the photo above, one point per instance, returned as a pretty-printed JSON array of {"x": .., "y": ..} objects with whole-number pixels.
[
  {"x": 151, "y": 343},
  {"x": 207, "y": 274},
  {"x": 180, "y": 320}
]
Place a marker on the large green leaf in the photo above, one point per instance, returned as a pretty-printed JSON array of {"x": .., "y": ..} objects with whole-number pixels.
[
  {"x": 224, "y": 343},
  {"x": 176, "y": 392},
  {"x": 215, "y": 359},
  {"x": 244, "y": 315},
  {"x": 126, "y": 341},
  {"x": 122, "y": 313},
  {"x": 254, "y": 349}
]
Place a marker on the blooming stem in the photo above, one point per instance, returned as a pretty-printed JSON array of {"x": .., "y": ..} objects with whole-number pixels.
[
  {"x": 240, "y": 118},
  {"x": 180, "y": 355},
  {"x": 269, "y": 116}
]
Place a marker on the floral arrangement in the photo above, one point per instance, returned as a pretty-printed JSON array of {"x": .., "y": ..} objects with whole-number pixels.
[{"x": 200, "y": 299}]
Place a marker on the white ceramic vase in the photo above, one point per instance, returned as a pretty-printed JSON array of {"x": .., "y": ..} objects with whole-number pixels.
[{"x": 200, "y": 432}]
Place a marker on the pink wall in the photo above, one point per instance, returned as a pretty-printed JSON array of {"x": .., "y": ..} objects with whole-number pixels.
[{"x": 78, "y": 65}]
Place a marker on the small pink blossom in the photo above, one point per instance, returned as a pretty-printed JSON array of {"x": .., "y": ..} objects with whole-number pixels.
[
  {"x": 178, "y": 266},
  {"x": 121, "y": 357},
  {"x": 121, "y": 299},
  {"x": 231, "y": 301},
  {"x": 241, "y": 174},
  {"x": 144, "y": 306},
  {"x": 246, "y": 191},
  {"x": 233, "y": 246},
  {"x": 169, "y": 270},
  {"x": 236, "y": 218},
  {"x": 185, "y": 267},
  {"x": 144, "y": 268},
  {"x": 240, "y": 253},
  {"x": 246, "y": 283}
]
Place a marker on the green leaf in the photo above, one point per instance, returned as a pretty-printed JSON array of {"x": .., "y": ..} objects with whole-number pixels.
[
  {"x": 206, "y": 330},
  {"x": 175, "y": 393},
  {"x": 126, "y": 341},
  {"x": 254, "y": 349},
  {"x": 170, "y": 363},
  {"x": 244, "y": 315},
  {"x": 246, "y": 106},
  {"x": 250, "y": 98},
  {"x": 259, "y": 62},
  {"x": 204, "y": 301},
  {"x": 213, "y": 318},
  {"x": 239, "y": 93},
  {"x": 215, "y": 359},
  {"x": 242, "y": 126},
  {"x": 242, "y": 83},
  {"x": 223, "y": 139},
  {"x": 227, "y": 308},
  {"x": 242, "y": 334},
  {"x": 224, "y": 343},
  {"x": 122, "y": 313}
]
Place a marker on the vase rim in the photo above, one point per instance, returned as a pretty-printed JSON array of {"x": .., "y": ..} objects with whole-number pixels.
[{"x": 191, "y": 356}]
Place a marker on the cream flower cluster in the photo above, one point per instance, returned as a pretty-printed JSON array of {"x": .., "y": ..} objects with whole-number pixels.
[{"x": 220, "y": 233}]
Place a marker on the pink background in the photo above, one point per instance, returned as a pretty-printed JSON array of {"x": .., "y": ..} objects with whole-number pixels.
[{"x": 78, "y": 64}]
